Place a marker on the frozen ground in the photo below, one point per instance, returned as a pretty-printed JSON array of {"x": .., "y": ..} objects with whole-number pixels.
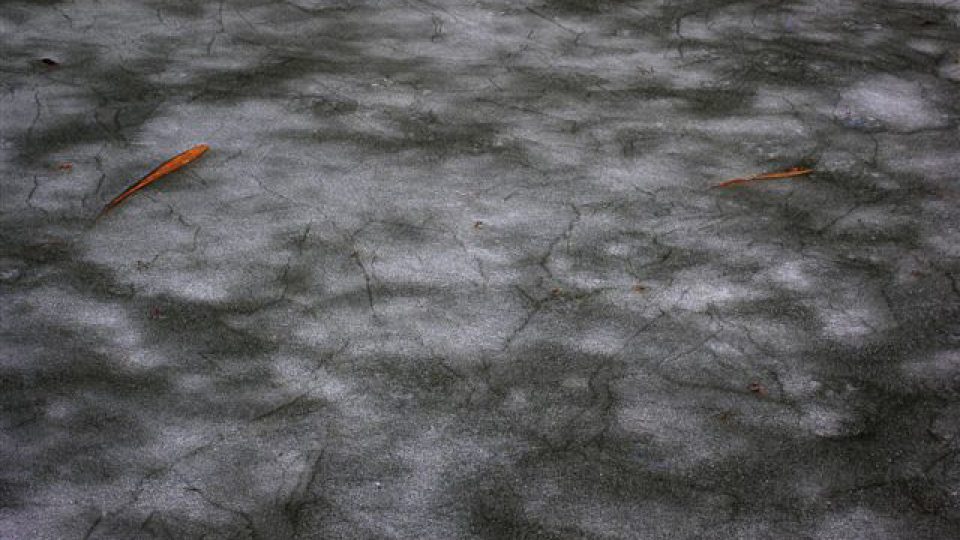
[{"x": 455, "y": 270}]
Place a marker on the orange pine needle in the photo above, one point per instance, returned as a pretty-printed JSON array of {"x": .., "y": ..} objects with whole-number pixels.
[
  {"x": 164, "y": 169},
  {"x": 795, "y": 171}
]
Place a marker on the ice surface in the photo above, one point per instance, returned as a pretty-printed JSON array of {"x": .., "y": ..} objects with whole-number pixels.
[{"x": 457, "y": 270}]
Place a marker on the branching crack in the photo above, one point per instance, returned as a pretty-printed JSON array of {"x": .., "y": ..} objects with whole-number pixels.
[
  {"x": 367, "y": 280},
  {"x": 300, "y": 495},
  {"x": 33, "y": 191},
  {"x": 565, "y": 235},
  {"x": 36, "y": 116},
  {"x": 248, "y": 521}
]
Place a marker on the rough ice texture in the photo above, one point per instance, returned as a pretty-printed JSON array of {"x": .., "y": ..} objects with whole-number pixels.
[{"x": 455, "y": 270}]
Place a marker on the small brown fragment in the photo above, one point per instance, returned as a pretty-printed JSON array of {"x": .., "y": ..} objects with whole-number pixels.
[
  {"x": 478, "y": 225},
  {"x": 757, "y": 389},
  {"x": 725, "y": 416},
  {"x": 639, "y": 288},
  {"x": 556, "y": 291},
  {"x": 789, "y": 173},
  {"x": 65, "y": 166}
]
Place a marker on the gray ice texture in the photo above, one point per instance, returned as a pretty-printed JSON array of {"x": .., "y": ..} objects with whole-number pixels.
[{"x": 456, "y": 269}]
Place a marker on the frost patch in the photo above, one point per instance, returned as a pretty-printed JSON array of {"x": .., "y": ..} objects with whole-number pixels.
[
  {"x": 824, "y": 422},
  {"x": 941, "y": 370},
  {"x": 850, "y": 323},
  {"x": 696, "y": 290},
  {"x": 678, "y": 430},
  {"x": 856, "y": 523},
  {"x": 790, "y": 275},
  {"x": 887, "y": 101},
  {"x": 950, "y": 67}
]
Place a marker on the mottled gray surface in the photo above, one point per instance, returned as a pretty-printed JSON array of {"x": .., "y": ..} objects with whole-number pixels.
[{"x": 455, "y": 270}]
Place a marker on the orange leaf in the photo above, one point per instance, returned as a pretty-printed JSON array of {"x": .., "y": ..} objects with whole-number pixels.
[{"x": 164, "y": 169}]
